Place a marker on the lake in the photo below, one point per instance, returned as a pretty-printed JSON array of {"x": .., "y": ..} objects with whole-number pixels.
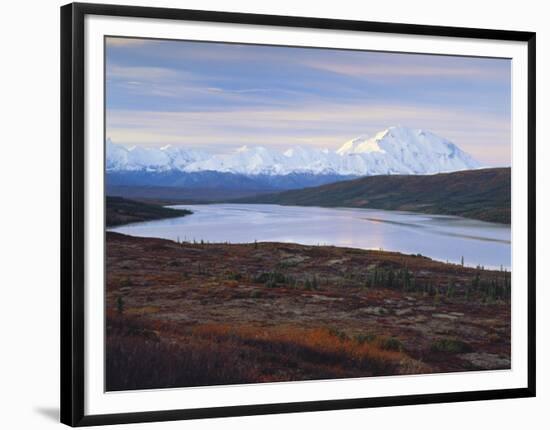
[{"x": 444, "y": 238}]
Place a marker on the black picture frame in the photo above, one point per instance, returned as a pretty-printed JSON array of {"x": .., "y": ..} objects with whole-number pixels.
[{"x": 73, "y": 212}]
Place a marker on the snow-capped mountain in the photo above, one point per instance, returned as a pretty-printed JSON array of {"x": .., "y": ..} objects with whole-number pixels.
[
  {"x": 400, "y": 150},
  {"x": 396, "y": 150},
  {"x": 120, "y": 158}
]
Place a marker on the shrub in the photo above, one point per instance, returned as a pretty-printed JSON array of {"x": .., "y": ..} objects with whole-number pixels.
[
  {"x": 255, "y": 294},
  {"x": 311, "y": 283},
  {"x": 338, "y": 333},
  {"x": 274, "y": 279},
  {"x": 234, "y": 276},
  {"x": 364, "y": 338},
  {"x": 120, "y": 304},
  {"x": 450, "y": 345},
  {"x": 126, "y": 282},
  {"x": 390, "y": 344}
]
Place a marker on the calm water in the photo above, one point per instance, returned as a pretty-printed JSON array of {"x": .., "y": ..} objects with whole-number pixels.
[{"x": 436, "y": 236}]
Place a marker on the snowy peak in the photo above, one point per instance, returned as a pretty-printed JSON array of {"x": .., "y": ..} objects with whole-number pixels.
[
  {"x": 360, "y": 145},
  {"x": 120, "y": 158},
  {"x": 351, "y": 145},
  {"x": 410, "y": 151},
  {"x": 396, "y": 150},
  {"x": 245, "y": 160}
]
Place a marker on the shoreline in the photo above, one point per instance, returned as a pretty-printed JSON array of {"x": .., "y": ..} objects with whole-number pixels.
[
  {"x": 290, "y": 219},
  {"x": 120, "y": 212}
]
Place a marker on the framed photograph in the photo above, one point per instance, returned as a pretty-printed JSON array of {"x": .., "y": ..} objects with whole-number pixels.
[{"x": 269, "y": 214}]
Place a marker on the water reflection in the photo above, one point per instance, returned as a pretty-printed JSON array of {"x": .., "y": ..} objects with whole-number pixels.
[{"x": 444, "y": 238}]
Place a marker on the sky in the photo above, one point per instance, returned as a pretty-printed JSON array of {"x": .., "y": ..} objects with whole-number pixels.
[{"x": 220, "y": 96}]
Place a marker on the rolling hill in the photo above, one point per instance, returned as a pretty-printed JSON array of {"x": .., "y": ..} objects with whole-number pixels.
[
  {"x": 123, "y": 211},
  {"x": 483, "y": 194}
]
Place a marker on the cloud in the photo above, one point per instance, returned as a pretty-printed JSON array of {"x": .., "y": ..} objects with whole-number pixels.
[
  {"x": 404, "y": 71},
  {"x": 182, "y": 86},
  {"x": 144, "y": 73}
]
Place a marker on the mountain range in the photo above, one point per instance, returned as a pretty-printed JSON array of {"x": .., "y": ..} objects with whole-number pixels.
[{"x": 394, "y": 151}]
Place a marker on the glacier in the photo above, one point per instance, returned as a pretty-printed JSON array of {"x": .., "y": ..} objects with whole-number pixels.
[{"x": 395, "y": 150}]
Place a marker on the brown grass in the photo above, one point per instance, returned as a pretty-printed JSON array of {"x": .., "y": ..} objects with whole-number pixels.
[
  {"x": 319, "y": 343},
  {"x": 213, "y": 354}
]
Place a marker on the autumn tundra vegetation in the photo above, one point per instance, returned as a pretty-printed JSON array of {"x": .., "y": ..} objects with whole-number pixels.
[{"x": 185, "y": 314}]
